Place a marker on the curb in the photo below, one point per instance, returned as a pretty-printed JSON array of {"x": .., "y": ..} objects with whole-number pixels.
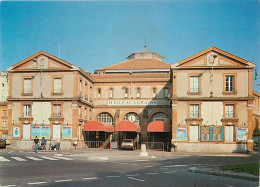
[{"x": 224, "y": 174}]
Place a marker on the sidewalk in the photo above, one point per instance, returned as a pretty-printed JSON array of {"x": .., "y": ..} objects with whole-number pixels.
[{"x": 212, "y": 171}]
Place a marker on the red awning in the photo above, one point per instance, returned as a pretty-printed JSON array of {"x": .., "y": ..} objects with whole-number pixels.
[
  {"x": 127, "y": 126},
  {"x": 98, "y": 126},
  {"x": 158, "y": 126}
]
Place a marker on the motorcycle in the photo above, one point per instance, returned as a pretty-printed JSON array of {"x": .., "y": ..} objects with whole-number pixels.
[{"x": 55, "y": 146}]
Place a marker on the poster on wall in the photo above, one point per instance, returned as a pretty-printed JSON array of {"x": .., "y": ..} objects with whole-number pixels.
[
  {"x": 46, "y": 132},
  {"x": 41, "y": 131},
  {"x": 16, "y": 131},
  {"x": 216, "y": 134},
  {"x": 36, "y": 131},
  {"x": 205, "y": 133},
  {"x": 66, "y": 132},
  {"x": 242, "y": 133},
  {"x": 182, "y": 134}
]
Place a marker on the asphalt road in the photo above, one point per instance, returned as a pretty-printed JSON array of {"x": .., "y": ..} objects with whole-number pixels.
[{"x": 109, "y": 169}]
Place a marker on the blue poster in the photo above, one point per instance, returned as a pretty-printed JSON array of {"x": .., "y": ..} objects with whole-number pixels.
[
  {"x": 182, "y": 134},
  {"x": 66, "y": 132},
  {"x": 36, "y": 131},
  {"x": 46, "y": 132},
  {"x": 41, "y": 131},
  {"x": 242, "y": 133}
]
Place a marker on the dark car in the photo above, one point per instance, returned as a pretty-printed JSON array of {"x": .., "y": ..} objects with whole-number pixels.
[
  {"x": 127, "y": 144},
  {"x": 2, "y": 143}
]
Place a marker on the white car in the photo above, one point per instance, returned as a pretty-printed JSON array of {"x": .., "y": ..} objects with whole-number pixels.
[{"x": 127, "y": 144}]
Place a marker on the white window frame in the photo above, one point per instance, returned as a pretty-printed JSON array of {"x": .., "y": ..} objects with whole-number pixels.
[
  {"x": 194, "y": 84},
  {"x": 111, "y": 92},
  {"x": 57, "y": 85},
  {"x": 229, "y": 83},
  {"x": 26, "y": 110},
  {"x": 56, "y": 110},
  {"x": 105, "y": 118},
  {"x": 229, "y": 111},
  {"x": 138, "y": 92},
  {"x": 194, "y": 110},
  {"x": 4, "y": 124},
  {"x": 126, "y": 92},
  {"x": 27, "y": 87},
  {"x": 154, "y": 92}
]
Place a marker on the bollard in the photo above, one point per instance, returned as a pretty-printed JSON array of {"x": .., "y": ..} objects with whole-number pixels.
[{"x": 143, "y": 150}]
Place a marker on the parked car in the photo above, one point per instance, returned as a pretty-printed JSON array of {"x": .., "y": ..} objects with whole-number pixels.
[
  {"x": 127, "y": 144},
  {"x": 2, "y": 143}
]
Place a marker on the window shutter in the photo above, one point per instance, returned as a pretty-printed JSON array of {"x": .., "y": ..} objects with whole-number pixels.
[
  {"x": 211, "y": 134},
  {"x": 222, "y": 133}
]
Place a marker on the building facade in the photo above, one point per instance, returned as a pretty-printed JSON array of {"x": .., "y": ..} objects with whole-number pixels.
[
  {"x": 256, "y": 113},
  {"x": 202, "y": 103},
  {"x": 137, "y": 90},
  {"x": 3, "y": 104},
  {"x": 50, "y": 98},
  {"x": 212, "y": 102}
]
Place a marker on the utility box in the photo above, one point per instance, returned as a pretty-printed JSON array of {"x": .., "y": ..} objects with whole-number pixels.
[{"x": 114, "y": 145}]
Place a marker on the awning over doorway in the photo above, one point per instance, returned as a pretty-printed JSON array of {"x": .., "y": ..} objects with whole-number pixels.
[
  {"x": 98, "y": 126},
  {"x": 127, "y": 126},
  {"x": 158, "y": 126}
]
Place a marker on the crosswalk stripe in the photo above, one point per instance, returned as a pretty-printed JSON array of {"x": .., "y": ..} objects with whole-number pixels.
[
  {"x": 33, "y": 158},
  {"x": 63, "y": 158},
  {"x": 19, "y": 159},
  {"x": 2, "y": 159},
  {"x": 49, "y": 158}
]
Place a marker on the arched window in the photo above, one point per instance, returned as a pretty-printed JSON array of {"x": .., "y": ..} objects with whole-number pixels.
[
  {"x": 154, "y": 92},
  {"x": 99, "y": 92},
  {"x": 105, "y": 118},
  {"x": 111, "y": 93},
  {"x": 133, "y": 117},
  {"x": 126, "y": 92},
  {"x": 166, "y": 92},
  {"x": 159, "y": 116},
  {"x": 138, "y": 93}
]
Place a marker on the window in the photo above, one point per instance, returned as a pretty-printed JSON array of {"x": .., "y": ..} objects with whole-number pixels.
[
  {"x": 229, "y": 111},
  {"x": 111, "y": 92},
  {"x": 90, "y": 114},
  {"x": 126, "y": 92},
  {"x": 27, "y": 87},
  {"x": 80, "y": 87},
  {"x": 57, "y": 85},
  {"x": 99, "y": 93},
  {"x": 160, "y": 117},
  {"x": 80, "y": 112},
  {"x": 4, "y": 113},
  {"x": 194, "y": 84},
  {"x": 166, "y": 92},
  {"x": 154, "y": 92},
  {"x": 194, "y": 111},
  {"x": 105, "y": 118},
  {"x": 138, "y": 93},
  {"x": 85, "y": 113},
  {"x": 91, "y": 93},
  {"x": 4, "y": 124},
  {"x": 230, "y": 83},
  {"x": 86, "y": 89},
  {"x": 133, "y": 117},
  {"x": 26, "y": 110},
  {"x": 56, "y": 110}
]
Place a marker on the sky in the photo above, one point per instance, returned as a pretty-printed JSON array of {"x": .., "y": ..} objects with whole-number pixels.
[{"x": 95, "y": 34}]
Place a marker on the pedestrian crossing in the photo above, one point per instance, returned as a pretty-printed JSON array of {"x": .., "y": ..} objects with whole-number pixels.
[{"x": 33, "y": 158}]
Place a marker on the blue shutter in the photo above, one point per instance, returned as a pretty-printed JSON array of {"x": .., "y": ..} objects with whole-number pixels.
[
  {"x": 211, "y": 134},
  {"x": 222, "y": 134}
]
